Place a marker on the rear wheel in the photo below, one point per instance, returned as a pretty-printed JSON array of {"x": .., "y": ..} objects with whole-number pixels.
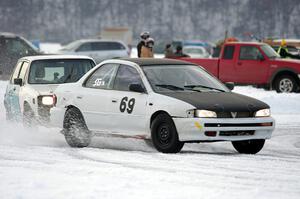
[
  {"x": 164, "y": 134},
  {"x": 248, "y": 146},
  {"x": 285, "y": 84},
  {"x": 75, "y": 130}
]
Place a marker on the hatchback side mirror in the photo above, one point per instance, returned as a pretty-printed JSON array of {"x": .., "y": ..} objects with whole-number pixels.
[
  {"x": 136, "y": 88},
  {"x": 260, "y": 57},
  {"x": 229, "y": 85},
  {"x": 18, "y": 81}
]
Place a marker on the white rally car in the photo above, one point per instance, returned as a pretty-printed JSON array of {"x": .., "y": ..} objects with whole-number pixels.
[
  {"x": 168, "y": 101},
  {"x": 29, "y": 93}
]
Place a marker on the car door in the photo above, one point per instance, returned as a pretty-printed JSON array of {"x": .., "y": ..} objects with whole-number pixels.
[
  {"x": 12, "y": 93},
  {"x": 95, "y": 97},
  {"x": 251, "y": 66},
  {"x": 127, "y": 108}
]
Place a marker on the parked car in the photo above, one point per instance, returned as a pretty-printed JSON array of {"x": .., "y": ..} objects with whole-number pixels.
[
  {"x": 253, "y": 63},
  {"x": 98, "y": 49},
  {"x": 29, "y": 93},
  {"x": 168, "y": 101},
  {"x": 13, "y": 47},
  {"x": 196, "y": 51}
]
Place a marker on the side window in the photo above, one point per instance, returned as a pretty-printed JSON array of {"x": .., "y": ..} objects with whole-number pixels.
[
  {"x": 16, "y": 71},
  {"x": 84, "y": 47},
  {"x": 126, "y": 75},
  {"x": 115, "y": 46},
  {"x": 103, "y": 77},
  {"x": 249, "y": 53},
  {"x": 98, "y": 46},
  {"x": 228, "y": 52},
  {"x": 23, "y": 70}
]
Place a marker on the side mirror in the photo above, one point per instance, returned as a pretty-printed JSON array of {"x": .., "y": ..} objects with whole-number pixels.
[
  {"x": 136, "y": 88},
  {"x": 229, "y": 85},
  {"x": 18, "y": 81},
  {"x": 260, "y": 57}
]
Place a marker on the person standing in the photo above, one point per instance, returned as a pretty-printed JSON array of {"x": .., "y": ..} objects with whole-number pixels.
[
  {"x": 179, "y": 52},
  {"x": 144, "y": 36},
  {"x": 147, "y": 49},
  {"x": 169, "y": 51}
]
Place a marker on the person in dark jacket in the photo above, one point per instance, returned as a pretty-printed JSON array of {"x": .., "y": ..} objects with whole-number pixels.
[
  {"x": 144, "y": 36},
  {"x": 179, "y": 52},
  {"x": 147, "y": 49}
]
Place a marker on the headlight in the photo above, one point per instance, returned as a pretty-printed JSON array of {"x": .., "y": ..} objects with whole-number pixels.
[
  {"x": 205, "y": 113},
  {"x": 263, "y": 113},
  {"x": 49, "y": 100}
]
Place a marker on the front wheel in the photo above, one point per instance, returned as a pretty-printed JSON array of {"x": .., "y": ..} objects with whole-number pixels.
[
  {"x": 75, "y": 130},
  {"x": 285, "y": 84},
  {"x": 164, "y": 135},
  {"x": 248, "y": 146}
]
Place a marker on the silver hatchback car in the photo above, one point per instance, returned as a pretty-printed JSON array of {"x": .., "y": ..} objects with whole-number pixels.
[{"x": 98, "y": 49}]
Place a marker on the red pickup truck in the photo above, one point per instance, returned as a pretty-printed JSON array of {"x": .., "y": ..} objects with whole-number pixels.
[{"x": 253, "y": 63}]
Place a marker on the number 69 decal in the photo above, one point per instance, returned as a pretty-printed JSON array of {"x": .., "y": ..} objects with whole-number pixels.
[{"x": 127, "y": 105}]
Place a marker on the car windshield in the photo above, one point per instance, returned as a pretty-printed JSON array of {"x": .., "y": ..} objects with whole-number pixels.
[
  {"x": 193, "y": 51},
  {"x": 166, "y": 78},
  {"x": 269, "y": 51},
  {"x": 58, "y": 71}
]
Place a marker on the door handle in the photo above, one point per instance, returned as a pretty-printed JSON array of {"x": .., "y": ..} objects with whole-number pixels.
[
  {"x": 79, "y": 97},
  {"x": 14, "y": 89},
  {"x": 114, "y": 100},
  {"x": 239, "y": 63}
]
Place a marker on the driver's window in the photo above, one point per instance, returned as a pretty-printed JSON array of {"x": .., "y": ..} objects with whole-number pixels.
[
  {"x": 126, "y": 75},
  {"x": 103, "y": 77},
  {"x": 249, "y": 53}
]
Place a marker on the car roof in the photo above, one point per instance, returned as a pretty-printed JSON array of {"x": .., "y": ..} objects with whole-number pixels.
[
  {"x": 8, "y": 35},
  {"x": 156, "y": 61},
  {"x": 245, "y": 43},
  {"x": 45, "y": 57},
  {"x": 98, "y": 40}
]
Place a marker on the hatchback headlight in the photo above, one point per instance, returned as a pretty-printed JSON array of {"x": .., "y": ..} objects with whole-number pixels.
[
  {"x": 205, "y": 113},
  {"x": 49, "y": 100},
  {"x": 263, "y": 113}
]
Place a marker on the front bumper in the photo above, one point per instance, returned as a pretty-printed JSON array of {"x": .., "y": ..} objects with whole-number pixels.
[{"x": 224, "y": 129}]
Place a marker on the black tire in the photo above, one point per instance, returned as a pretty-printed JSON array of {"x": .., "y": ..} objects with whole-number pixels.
[
  {"x": 75, "y": 130},
  {"x": 285, "y": 84},
  {"x": 28, "y": 117},
  {"x": 164, "y": 134},
  {"x": 248, "y": 146}
]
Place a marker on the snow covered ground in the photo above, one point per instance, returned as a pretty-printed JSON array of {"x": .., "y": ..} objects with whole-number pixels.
[{"x": 37, "y": 163}]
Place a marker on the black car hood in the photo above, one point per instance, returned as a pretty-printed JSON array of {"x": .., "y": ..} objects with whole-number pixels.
[{"x": 219, "y": 101}]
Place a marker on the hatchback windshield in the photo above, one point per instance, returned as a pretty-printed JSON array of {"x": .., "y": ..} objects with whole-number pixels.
[
  {"x": 269, "y": 51},
  {"x": 58, "y": 71},
  {"x": 181, "y": 78}
]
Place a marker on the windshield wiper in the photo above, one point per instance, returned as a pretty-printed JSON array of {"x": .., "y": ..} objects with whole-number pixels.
[
  {"x": 169, "y": 86},
  {"x": 202, "y": 86}
]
